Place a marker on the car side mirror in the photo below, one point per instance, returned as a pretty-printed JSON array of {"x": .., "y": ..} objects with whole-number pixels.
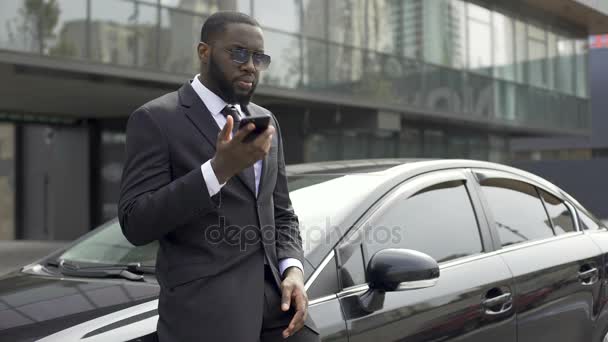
[{"x": 395, "y": 269}]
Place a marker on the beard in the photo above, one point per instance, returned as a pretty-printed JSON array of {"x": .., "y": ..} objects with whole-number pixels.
[{"x": 226, "y": 88}]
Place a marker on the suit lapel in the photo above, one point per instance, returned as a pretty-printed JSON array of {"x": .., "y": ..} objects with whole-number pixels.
[{"x": 199, "y": 115}]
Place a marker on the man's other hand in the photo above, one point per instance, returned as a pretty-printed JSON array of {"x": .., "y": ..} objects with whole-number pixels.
[
  {"x": 233, "y": 155},
  {"x": 293, "y": 293}
]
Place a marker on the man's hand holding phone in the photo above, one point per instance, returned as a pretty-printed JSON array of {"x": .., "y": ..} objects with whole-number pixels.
[{"x": 248, "y": 145}]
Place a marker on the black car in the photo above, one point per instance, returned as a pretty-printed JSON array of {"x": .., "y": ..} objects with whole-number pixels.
[{"x": 420, "y": 250}]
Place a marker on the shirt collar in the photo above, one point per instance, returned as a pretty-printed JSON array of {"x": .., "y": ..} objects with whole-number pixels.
[{"x": 214, "y": 103}]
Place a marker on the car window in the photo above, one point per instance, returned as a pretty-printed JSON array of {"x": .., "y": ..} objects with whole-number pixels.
[
  {"x": 109, "y": 246},
  {"x": 438, "y": 220},
  {"x": 517, "y": 209},
  {"x": 560, "y": 215},
  {"x": 326, "y": 282},
  {"x": 351, "y": 270},
  {"x": 587, "y": 221}
]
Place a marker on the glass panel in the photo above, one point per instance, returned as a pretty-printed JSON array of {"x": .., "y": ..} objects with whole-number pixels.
[
  {"x": 291, "y": 11},
  {"x": 314, "y": 17},
  {"x": 287, "y": 67},
  {"x": 322, "y": 147},
  {"x": 326, "y": 283},
  {"x": 347, "y": 24},
  {"x": 50, "y": 28},
  {"x": 498, "y": 149},
  {"x": 408, "y": 27},
  {"x": 354, "y": 145},
  {"x": 458, "y": 146},
  {"x": 505, "y": 100},
  {"x": 559, "y": 214},
  {"x": 111, "y": 160},
  {"x": 480, "y": 101},
  {"x": 387, "y": 26},
  {"x": 478, "y": 13},
  {"x": 243, "y": 6},
  {"x": 587, "y": 221},
  {"x": 580, "y": 49},
  {"x": 7, "y": 181},
  {"x": 443, "y": 88},
  {"x": 410, "y": 144},
  {"x": 443, "y": 210},
  {"x": 551, "y": 59},
  {"x": 521, "y": 51},
  {"x": 180, "y": 34},
  {"x": 346, "y": 67},
  {"x": 478, "y": 148},
  {"x": 442, "y": 36},
  {"x": 123, "y": 32},
  {"x": 434, "y": 146},
  {"x": 517, "y": 210},
  {"x": 480, "y": 44},
  {"x": 316, "y": 67},
  {"x": 206, "y": 7},
  {"x": 565, "y": 65},
  {"x": 537, "y": 56},
  {"x": 352, "y": 270},
  {"x": 382, "y": 145},
  {"x": 504, "y": 47}
]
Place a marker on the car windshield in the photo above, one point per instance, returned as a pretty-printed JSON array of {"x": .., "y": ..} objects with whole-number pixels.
[{"x": 313, "y": 197}]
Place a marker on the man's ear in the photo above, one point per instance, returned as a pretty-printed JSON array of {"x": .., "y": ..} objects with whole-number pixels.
[{"x": 204, "y": 50}]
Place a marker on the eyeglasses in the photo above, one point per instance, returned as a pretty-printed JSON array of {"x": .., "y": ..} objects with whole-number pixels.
[{"x": 241, "y": 56}]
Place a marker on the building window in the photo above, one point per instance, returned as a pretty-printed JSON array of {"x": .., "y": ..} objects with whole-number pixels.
[{"x": 7, "y": 181}]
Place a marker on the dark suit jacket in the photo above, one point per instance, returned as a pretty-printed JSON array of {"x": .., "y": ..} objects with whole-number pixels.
[{"x": 210, "y": 260}]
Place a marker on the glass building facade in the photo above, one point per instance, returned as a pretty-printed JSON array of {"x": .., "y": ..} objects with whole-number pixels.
[
  {"x": 448, "y": 56},
  {"x": 349, "y": 79}
]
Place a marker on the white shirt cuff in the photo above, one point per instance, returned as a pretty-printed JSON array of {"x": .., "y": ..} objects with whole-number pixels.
[
  {"x": 213, "y": 185},
  {"x": 289, "y": 262}
]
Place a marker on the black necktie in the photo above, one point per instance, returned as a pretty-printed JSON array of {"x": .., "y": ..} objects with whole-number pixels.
[{"x": 236, "y": 118}]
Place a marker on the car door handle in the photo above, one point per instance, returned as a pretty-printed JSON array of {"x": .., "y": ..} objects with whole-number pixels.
[
  {"x": 588, "y": 277},
  {"x": 499, "y": 304}
]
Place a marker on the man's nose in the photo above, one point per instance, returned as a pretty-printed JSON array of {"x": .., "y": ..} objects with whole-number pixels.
[{"x": 249, "y": 66}]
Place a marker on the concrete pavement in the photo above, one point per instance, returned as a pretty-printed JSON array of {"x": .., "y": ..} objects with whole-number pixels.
[{"x": 15, "y": 254}]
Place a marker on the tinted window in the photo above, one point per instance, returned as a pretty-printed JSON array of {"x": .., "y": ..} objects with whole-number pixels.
[
  {"x": 588, "y": 221},
  {"x": 558, "y": 213},
  {"x": 517, "y": 210},
  {"x": 326, "y": 283},
  {"x": 352, "y": 267},
  {"x": 438, "y": 221}
]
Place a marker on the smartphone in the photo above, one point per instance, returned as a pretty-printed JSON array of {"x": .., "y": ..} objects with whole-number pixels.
[{"x": 261, "y": 122}]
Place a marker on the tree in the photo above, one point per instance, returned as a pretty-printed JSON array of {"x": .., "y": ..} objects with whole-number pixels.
[{"x": 39, "y": 20}]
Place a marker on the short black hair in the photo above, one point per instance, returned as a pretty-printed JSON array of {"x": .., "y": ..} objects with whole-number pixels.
[{"x": 217, "y": 22}]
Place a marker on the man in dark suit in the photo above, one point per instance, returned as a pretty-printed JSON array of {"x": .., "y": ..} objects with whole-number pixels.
[{"x": 230, "y": 256}]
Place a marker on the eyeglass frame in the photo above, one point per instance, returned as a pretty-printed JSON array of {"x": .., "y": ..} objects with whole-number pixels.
[{"x": 250, "y": 55}]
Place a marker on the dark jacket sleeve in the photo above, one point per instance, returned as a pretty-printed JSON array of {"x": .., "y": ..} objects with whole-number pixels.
[
  {"x": 288, "y": 239},
  {"x": 151, "y": 204}
]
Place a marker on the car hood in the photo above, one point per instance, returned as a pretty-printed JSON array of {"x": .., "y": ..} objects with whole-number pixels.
[{"x": 33, "y": 306}]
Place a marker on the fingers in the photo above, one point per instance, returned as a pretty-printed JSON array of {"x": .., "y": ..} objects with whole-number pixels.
[
  {"x": 286, "y": 297},
  {"x": 297, "y": 322},
  {"x": 224, "y": 134},
  {"x": 243, "y": 132}
]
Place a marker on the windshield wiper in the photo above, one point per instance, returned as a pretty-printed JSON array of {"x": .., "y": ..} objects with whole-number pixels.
[{"x": 131, "y": 271}]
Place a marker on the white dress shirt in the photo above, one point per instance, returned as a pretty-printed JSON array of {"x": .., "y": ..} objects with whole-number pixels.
[{"x": 215, "y": 104}]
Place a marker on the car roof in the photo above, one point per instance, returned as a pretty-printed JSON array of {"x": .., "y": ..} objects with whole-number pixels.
[
  {"x": 344, "y": 167},
  {"x": 373, "y": 179}
]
